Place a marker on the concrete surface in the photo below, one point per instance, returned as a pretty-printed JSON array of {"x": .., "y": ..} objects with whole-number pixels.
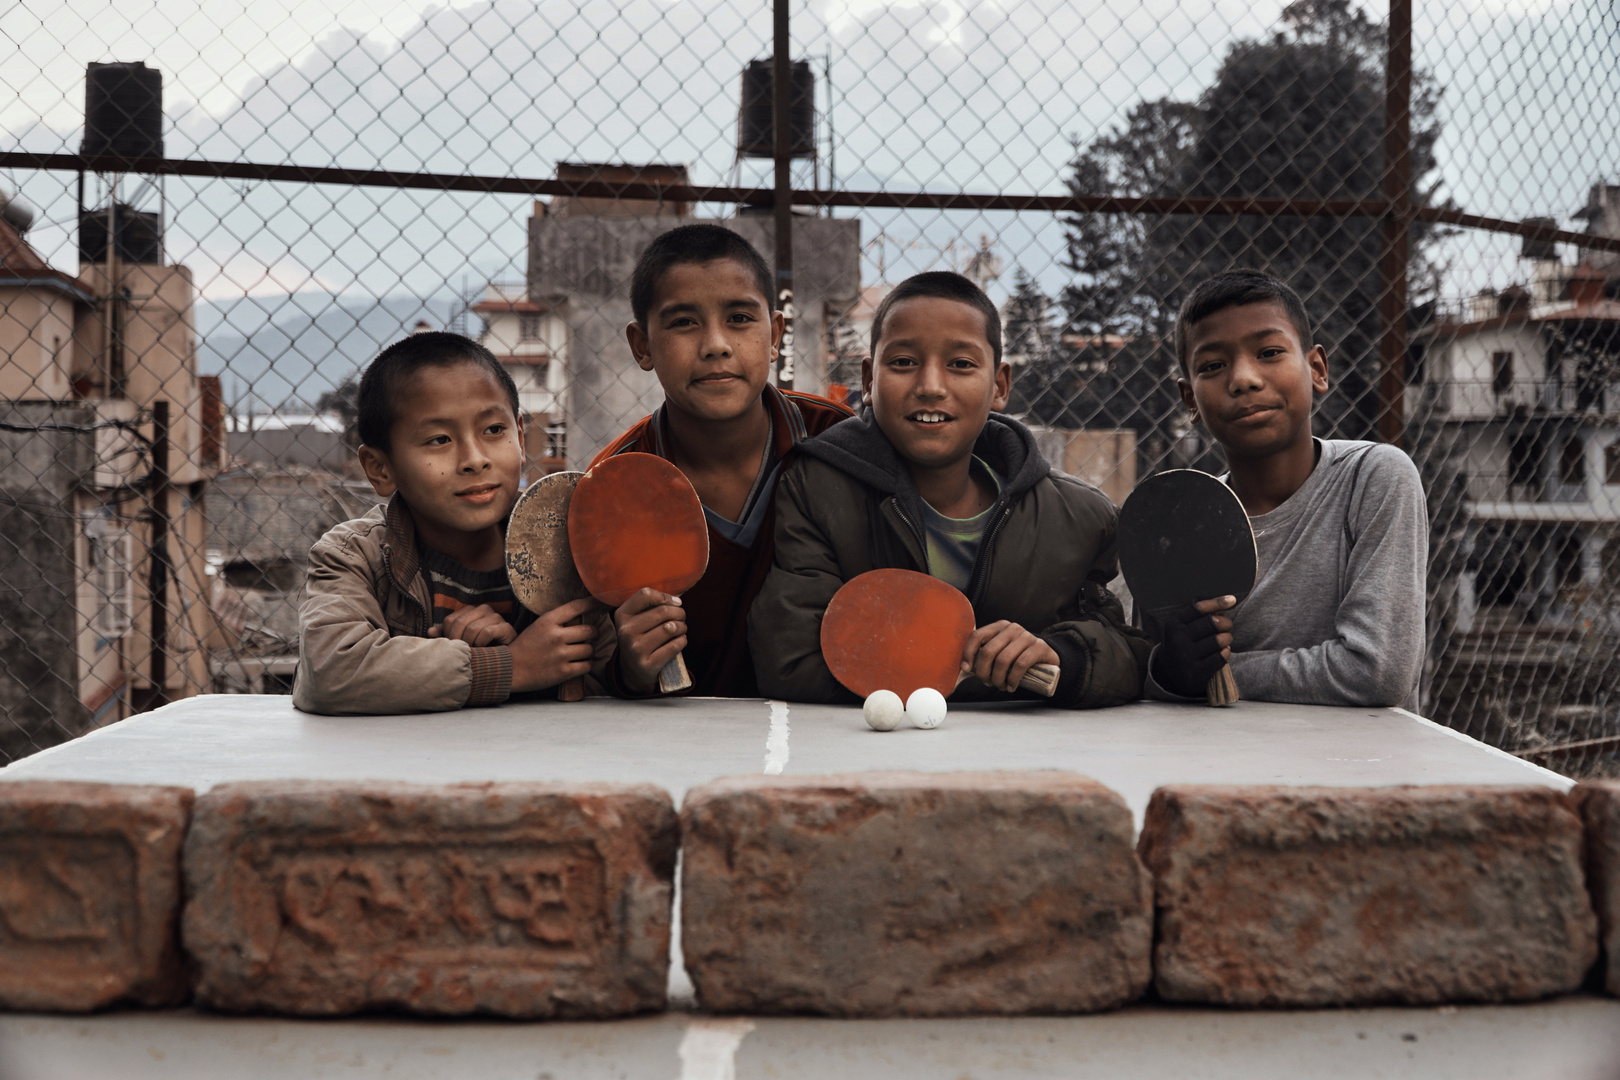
[
  {"x": 677, "y": 744},
  {"x": 1569, "y": 1039}
]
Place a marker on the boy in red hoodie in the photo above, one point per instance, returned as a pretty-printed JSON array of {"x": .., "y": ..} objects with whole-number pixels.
[{"x": 706, "y": 323}]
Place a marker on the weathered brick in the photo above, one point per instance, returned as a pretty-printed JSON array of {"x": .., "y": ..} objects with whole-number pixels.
[
  {"x": 1599, "y": 801},
  {"x": 516, "y": 899},
  {"x": 1343, "y": 896},
  {"x": 90, "y": 895},
  {"x": 913, "y": 894}
]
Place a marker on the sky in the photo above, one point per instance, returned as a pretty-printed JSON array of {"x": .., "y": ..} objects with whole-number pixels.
[{"x": 981, "y": 96}]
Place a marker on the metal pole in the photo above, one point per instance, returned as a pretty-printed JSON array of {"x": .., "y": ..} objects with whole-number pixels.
[
  {"x": 1392, "y": 300},
  {"x": 781, "y": 91},
  {"x": 158, "y": 568}
]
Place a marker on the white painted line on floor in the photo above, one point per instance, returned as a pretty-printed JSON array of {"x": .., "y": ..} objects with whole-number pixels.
[
  {"x": 776, "y": 743},
  {"x": 1564, "y": 783},
  {"x": 709, "y": 1047}
]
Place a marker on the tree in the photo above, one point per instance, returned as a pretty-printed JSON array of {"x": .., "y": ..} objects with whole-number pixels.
[
  {"x": 1299, "y": 114},
  {"x": 342, "y": 401}
]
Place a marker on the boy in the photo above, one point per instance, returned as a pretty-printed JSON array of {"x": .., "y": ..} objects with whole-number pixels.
[
  {"x": 931, "y": 478},
  {"x": 706, "y": 324},
  {"x": 409, "y": 609},
  {"x": 1341, "y": 527}
]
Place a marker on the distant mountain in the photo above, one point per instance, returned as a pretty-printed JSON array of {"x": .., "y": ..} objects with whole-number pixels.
[{"x": 287, "y": 350}]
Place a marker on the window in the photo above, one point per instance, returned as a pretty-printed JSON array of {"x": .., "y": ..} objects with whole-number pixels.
[
  {"x": 1501, "y": 372},
  {"x": 106, "y": 570},
  {"x": 1526, "y": 452},
  {"x": 529, "y": 327},
  {"x": 1611, "y": 463},
  {"x": 556, "y": 440},
  {"x": 1572, "y": 463}
]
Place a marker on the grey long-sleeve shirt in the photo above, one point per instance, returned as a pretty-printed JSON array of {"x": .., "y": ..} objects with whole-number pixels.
[{"x": 1336, "y": 615}]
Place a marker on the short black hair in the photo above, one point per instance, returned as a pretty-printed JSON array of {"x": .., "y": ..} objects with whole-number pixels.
[
  {"x": 944, "y": 285},
  {"x": 698, "y": 243},
  {"x": 374, "y": 402},
  {"x": 1235, "y": 288}
]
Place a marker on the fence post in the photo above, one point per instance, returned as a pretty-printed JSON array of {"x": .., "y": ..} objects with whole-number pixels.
[
  {"x": 781, "y": 121},
  {"x": 158, "y": 566},
  {"x": 1392, "y": 301}
]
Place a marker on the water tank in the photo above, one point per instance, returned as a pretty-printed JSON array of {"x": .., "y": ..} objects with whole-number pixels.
[
  {"x": 756, "y": 133},
  {"x": 1539, "y": 249},
  {"x": 123, "y": 111},
  {"x": 140, "y": 236},
  {"x": 17, "y": 212}
]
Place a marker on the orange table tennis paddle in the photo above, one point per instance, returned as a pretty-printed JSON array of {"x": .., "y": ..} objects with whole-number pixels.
[
  {"x": 901, "y": 630},
  {"x": 538, "y": 561},
  {"x": 636, "y": 523}
]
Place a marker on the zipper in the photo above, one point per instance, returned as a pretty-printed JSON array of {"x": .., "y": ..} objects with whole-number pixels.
[
  {"x": 982, "y": 560},
  {"x": 916, "y": 533},
  {"x": 423, "y": 623}
]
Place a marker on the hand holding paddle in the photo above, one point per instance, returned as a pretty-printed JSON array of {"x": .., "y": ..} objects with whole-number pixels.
[
  {"x": 540, "y": 568},
  {"x": 635, "y": 524},
  {"x": 901, "y": 630},
  {"x": 1184, "y": 538}
]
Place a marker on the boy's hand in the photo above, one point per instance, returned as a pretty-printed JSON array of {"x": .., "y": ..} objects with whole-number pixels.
[
  {"x": 1002, "y": 653},
  {"x": 652, "y": 630},
  {"x": 553, "y": 648},
  {"x": 477, "y": 626},
  {"x": 1197, "y": 643}
]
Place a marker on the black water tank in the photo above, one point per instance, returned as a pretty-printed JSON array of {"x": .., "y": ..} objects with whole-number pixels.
[
  {"x": 123, "y": 111},
  {"x": 1539, "y": 249},
  {"x": 140, "y": 236},
  {"x": 756, "y": 133}
]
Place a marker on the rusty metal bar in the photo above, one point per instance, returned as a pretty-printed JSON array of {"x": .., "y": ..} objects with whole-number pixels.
[
  {"x": 1392, "y": 298},
  {"x": 158, "y": 565},
  {"x": 897, "y": 200},
  {"x": 782, "y": 130}
]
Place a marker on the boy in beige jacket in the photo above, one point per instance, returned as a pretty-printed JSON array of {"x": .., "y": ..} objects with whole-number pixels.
[{"x": 408, "y": 608}]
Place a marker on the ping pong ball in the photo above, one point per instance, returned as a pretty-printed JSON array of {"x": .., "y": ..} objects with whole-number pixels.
[
  {"x": 883, "y": 710},
  {"x": 926, "y": 707}
]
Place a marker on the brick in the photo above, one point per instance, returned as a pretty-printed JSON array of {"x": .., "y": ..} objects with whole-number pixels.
[
  {"x": 913, "y": 894},
  {"x": 512, "y": 899},
  {"x": 1599, "y": 801},
  {"x": 1349, "y": 896},
  {"x": 90, "y": 895}
]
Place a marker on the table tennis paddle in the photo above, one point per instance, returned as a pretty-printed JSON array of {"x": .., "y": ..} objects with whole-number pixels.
[
  {"x": 901, "y": 630},
  {"x": 538, "y": 562},
  {"x": 636, "y": 523},
  {"x": 1185, "y": 537}
]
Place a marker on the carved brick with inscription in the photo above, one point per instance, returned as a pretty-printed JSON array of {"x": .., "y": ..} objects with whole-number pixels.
[
  {"x": 514, "y": 899},
  {"x": 1301, "y": 896},
  {"x": 1599, "y": 801},
  {"x": 913, "y": 894},
  {"x": 90, "y": 895}
]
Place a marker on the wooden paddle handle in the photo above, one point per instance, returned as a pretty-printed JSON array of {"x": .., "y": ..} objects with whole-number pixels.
[
  {"x": 674, "y": 676},
  {"x": 572, "y": 690},
  {"x": 1222, "y": 688},
  {"x": 1041, "y": 679}
]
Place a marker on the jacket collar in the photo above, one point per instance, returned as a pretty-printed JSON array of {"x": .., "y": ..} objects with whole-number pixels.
[
  {"x": 404, "y": 564},
  {"x": 787, "y": 425},
  {"x": 857, "y": 446}
]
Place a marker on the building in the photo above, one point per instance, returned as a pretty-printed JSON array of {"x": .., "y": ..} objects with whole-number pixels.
[
  {"x": 109, "y": 440},
  {"x": 1523, "y": 387},
  {"x": 581, "y": 255},
  {"x": 531, "y": 342}
]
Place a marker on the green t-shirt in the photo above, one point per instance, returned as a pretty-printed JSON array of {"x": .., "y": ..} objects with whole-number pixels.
[{"x": 953, "y": 543}]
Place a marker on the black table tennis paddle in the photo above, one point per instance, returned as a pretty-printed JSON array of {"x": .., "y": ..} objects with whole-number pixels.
[{"x": 1185, "y": 537}]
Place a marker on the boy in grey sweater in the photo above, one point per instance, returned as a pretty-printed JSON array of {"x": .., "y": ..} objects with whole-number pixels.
[{"x": 1341, "y": 527}]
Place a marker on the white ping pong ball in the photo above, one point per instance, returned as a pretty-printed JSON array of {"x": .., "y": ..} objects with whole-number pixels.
[
  {"x": 883, "y": 710},
  {"x": 926, "y": 707}
]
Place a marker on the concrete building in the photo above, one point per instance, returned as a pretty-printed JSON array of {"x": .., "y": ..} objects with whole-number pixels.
[
  {"x": 531, "y": 342},
  {"x": 97, "y": 620},
  {"x": 580, "y": 262}
]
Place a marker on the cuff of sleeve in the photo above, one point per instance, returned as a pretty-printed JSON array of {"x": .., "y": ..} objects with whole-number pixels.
[
  {"x": 1074, "y": 663},
  {"x": 1153, "y": 690},
  {"x": 491, "y": 675}
]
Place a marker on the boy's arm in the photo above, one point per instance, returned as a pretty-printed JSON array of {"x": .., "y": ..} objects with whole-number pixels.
[
  {"x": 784, "y": 625},
  {"x": 349, "y": 663},
  {"x": 1102, "y": 659},
  {"x": 1377, "y": 652}
]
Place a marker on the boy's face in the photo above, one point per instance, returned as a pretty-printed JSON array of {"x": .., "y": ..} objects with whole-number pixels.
[
  {"x": 456, "y": 450},
  {"x": 1250, "y": 379},
  {"x": 711, "y": 337},
  {"x": 934, "y": 380}
]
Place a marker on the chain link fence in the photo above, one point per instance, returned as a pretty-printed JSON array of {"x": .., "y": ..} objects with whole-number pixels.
[{"x": 215, "y": 215}]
